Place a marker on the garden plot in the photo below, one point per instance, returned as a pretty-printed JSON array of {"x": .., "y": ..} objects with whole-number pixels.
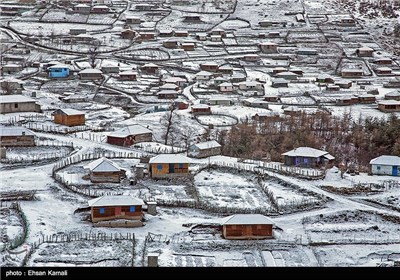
[
  {"x": 357, "y": 255},
  {"x": 242, "y": 50},
  {"x": 217, "y": 120},
  {"x": 169, "y": 193},
  {"x": 46, "y": 29},
  {"x": 11, "y": 225},
  {"x": 390, "y": 199},
  {"x": 101, "y": 19},
  {"x": 230, "y": 190},
  {"x": 147, "y": 54},
  {"x": 353, "y": 227},
  {"x": 83, "y": 253},
  {"x": 61, "y": 16}
]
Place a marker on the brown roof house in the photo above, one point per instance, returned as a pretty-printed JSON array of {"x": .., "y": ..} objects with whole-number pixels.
[
  {"x": 16, "y": 137},
  {"x": 69, "y": 117},
  {"x": 307, "y": 157},
  {"x": 130, "y": 135},
  {"x": 169, "y": 166},
  {"x": 18, "y": 103},
  {"x": 103, "y": 170},
  {"x": 247, "y": 226},
  {"x": 117, "y": 207},
  {"x": 204, "y": 149}
]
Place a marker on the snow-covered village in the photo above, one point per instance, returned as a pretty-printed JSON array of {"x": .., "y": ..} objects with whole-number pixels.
[{"x": 200, "y": 133}]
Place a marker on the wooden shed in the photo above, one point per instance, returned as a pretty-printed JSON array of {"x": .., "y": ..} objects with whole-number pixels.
[
  {"x": 209, "y": 66},
  {"x": 103, "y": 170},
  {"x": 130, "y": 135},
  {"x": 69, "y": 117},
  {"x": 204, "y": 149},
  {"x": 16, "y": 137},
  {"x": 247, "y": 226},
  {"x": 115, "y": 207},
  {"x": 201, "y": 109},
  {"x": 307, "y": 157},
  {"x": 169, "y": 166}
]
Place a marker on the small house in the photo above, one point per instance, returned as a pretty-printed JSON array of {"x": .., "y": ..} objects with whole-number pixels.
[
  {"x": 271, "y": 97},
  {"x": 385, "y": 165},
  {"x": 181, "y": 33},
  {"x": 128, "y": 75},
  {"x": 69, "y": 117},
  {"x": 218, "y": 31},
  {"x": 103, "y": 170},
  {"x": 147, "y": 35},
  {"x": 307, "y": 157},
  {"x": 90, "y": 74},
  {"x": 238, "y": 77},
  {"x": 300, "y": 18},
  {"x": 17, "y": 104},
  {"x": 365, "y": 52},
  {"x": 307, "y": 51},
  {"x": 188, "y": 46},
  {"x": 215, "y": 38},
  {"x": 100, "y": 9},
  {"x": 247, "y": 226},
  {"x": 204, "y": 149},
  {"x": 255, "y": 103},
  {"x": 130, "y": 135},
  {"x": 181, "y": 104},
  {"x": 132, "y": 20},
  {"x": 251, "y": 57},
  {"x": 277, "y": 70},
  {"x": 352, "y": 73},
  {"x": 16, "y": 137},
  {"x": 58, "y": 71},
  {"x": 263, "y": 116},
  {"x": 209, "y": 66},
  {"x": 330, "y": 87},
  {"x": 383, "y": 61},
  {"x": 218, "y": 81},
  {"x": 251, "y": 85},
  {"x": 344, "y": 84},
  {"x": 366, "y": 98},
  {"x": 347, "y": 21},
  {"x": 278, "y": 83},
  {"x": 81, "y": 9},
  {"x": 169, "y": 86},
  {"x": 268, "y": 47},
  {"x": 225, "y": 69},
  {"x": 226, "y": 87},
  {"x": 265, "y": 23},
  {"x": 171, "y": 43},
  {"x": 192, "y": 18},
  {"x": 128, "y": 34},
  {"x": 388, "y": 106},
  {"x": 150, "y": 68},
  {"x": 346, "y": 100},
  {"x": 166, "y": 33},
  {"x": 11, "y": 68},
  {"x": 222, "y": 101},
  {"x": 393, "y": 95},
  {"x": 145, "y": 7},
  {"x": 383, "y": 71},
  {"x": 299, "y": 72},
  {"x": 167, "y": 94},
  {"x": 274, "y": 34},
  {"x": 116, "y": 207},
  {"x": 203, "y": 76},
  {"x": 176, "y": 80},
  {"x": 324, "y": 79},
  {"x": 393, "y": 83},
  {"x": 108, "y": 68},
  {"x": 169, "y": 166},
  {"x": 201, "y": 109},
  {"x": 201, "y": 36}
]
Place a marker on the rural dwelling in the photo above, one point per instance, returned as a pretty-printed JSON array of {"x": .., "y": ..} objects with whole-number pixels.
[
  {"x": 394, "y": 95},
  {"x": 330, "y": 87},
  {"x": 300, "y": 18},
  {"x": 11, "y": 136},
  {"x": 204, "y": 149},
  {"x": 167, "y": 94},
  {"x": 115, "y": 207},
  {"x": 128, "y": 75},
  {"x": 58, "y": 71},
  {"x": 215, "y": 38},
  {"x": 307, "y": 51},
  {"x": 90, "y": 74},
  {"x": 181, "y": 104},
  {"x": 147, "y": 35},
  {"x": 218, "y": 31},
  {"x": 188, "y": 46},
  {"x": 204, "y": 76},
  {"x": 176, "y": 80},
  {"x": 388, "y": 106},
  {"x": 222, "y": 101},
  {"x": 69, "y": 117},
  {"x": 201, "y": 36},
  {"x": 287, "y": 75},
  {"x": 11, "y": 68},
  {"x": 127, "y": 136},
  {"x": 192, "y": 18},
  {"x": 226, "y": 87},
  {"x": 103, "y": 170},
  {"x": 264, "y": 116},
  {"x": 383, "y": 71},
  {"x": 352, "y": 73},
  {"x": 365, "y": 52},
  {"x": 11, "y": 86},
  {"x": 77, "y": 31},
  {"x": 272, "y": 97},
  {"x": 128, "y": 34},
  {"x": 17, "y": 104},
  {"x": 226, "y": 69},
  {"x": 347, "y": 21},
  {"x": 385, "y": 165},
  {"x": 256, "y": 103},
  {"x": 291, "y": 110},
  {"x": 269, "y": 47},
  {"x": 247, "y": 226},
  {"x": 171, "y": 43},
  {"x": 346, "y": 100},
  {"x": 307, "y": 157},
  {"x": 393, "y": 83},
  {"x": 209, "y": 66},
  {"x": 201, "y": 109},
  {"x": 169, "y": 86},
  {"x": 109, "y": 68},
  {"x": 324, "y": 79},
  {"x": 251, "y": 85},
  {"x": 278, "y": 83},
  {"x": 166, "y": 33},
  {"x": 145, "y": 7},
  {"x": 238, "y": 77},
  {"x": 265, "y": 23},
  {"x": 251, "y": 57},
  {"x": 366, "y": 98},
  {"x": 181, "y": 33},
  {"x": 277, "y": 70},
  {"x": 81, "y": 9},
  {"x": 383, "y": 61},
  {"x": 132, "y": 20},
  {"x": 344, "y": 84},
  {"x": 100, "y": 9},
  {"x": 169, "y": 166},
  {"x": 218, "y": 81},
  {"x": 150, "y": 68}
]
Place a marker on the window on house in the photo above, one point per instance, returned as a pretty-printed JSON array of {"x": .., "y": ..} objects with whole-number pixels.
[
  {"x": 159, "y": 166},
  {"x": 15, "y": 105},
  {"x": 132, "y": 209},
  {"x": 378, "y": 168},
  {"x": 102, "y": 210}
]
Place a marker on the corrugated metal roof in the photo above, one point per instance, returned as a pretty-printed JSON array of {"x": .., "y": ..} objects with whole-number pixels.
[
  {"x": 305, "y": 152},
  {"x": 247, "y": 219},
  {"x": 115, "y": 200},
  {"x": 102, "y": 165},
  {"x": 90, "y": 70},
  {"x": 386, "y": 160},
  {"x": 130, "y": 130},
  {"x": 207, "y": 145},
  {"x": 170, "y": 158},
  {"x": 70, "y": 112}
]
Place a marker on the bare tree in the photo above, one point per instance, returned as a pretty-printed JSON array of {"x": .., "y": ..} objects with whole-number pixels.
[
  {"x": 6, "y": 87},
  {"x": 168, "y": 120},
  {"x": 93, "y": 53}
]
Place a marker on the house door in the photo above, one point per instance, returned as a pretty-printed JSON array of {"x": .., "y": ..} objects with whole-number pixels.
[
  {"x": 171, "y": 168},
  {"x": 395, "y": 171},
  {"x": 117, "y": 211}
]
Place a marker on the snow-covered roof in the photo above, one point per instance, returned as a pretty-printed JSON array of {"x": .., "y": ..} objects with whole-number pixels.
[
  {"x": 200, "y": 106},
  {"x": 365, "y": 49},
  {"x": 238, "y": 75},
  {"x": 247, "y": 219},
  {"x": 102, "y": 165},
  {"x": 225, "y": 67},
  {"x": 170, "y": 158},
  {"x": 393, "y": 93},
  {"x": 226, "y": 84},
  {"x": 389, "y": 102},
  {"x": 384, "y": 69},
  {"x": 70, "y": 112},
  {"x": 90, "y": 70},
  {"x": 115, "y": 200},
  {"x": 268, "y": 44},
  {"x": 287, "y": 73},
  {"x": 168, "y": 86},
  {"x": 128, "y": 72},
  {"x": 167, "y": 91},
  {"x": 207, "y": 145},
  {"x": 279, "y": 81},
  {"x": 210, "y": 63},
  {"x": 14, "y": 131},
  {"x": 150, "y": 65},
  {"x": 306, "y": 152},
  {"x": 386, "y": 160},
  {"x": 204, "y": 73},
  {"x": 15, "y": 99},
  {"x": 100, "y": 7},
  {"x": 352, "y": 70},
  {"x": 174, "y": 79},
  {"x": 135, "y": 129},
  {"x": 57, "y": 66}
]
